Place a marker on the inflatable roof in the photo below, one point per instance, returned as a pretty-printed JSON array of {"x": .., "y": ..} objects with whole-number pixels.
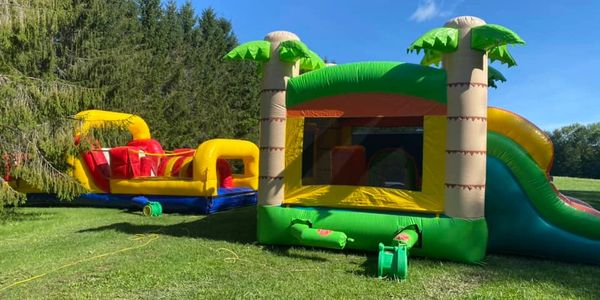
[
  {"x": 369, "y": 77},
  {"x": 390, "y": 88}
]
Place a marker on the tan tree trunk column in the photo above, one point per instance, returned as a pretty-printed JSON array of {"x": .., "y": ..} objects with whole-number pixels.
[
  {"x": 466, "y": 149},
  {"x": 273, "y": 116}
]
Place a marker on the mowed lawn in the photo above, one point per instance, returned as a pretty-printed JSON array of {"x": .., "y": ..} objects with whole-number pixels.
[
  {"x": 587, "y": 190},
  {"x": 112, "y": 254}
]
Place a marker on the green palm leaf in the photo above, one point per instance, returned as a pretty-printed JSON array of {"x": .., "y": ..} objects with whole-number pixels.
[
  {"x": 502, "y": 55},
  {"x": 489, "y": 36},
  {"x": 442, "y": 39},
  {"x": 255, "y": 50},
  {"x": 312, "y": 62},
  {"x": 493, "y": 76},
  {"x": 291, "y": 51},
  {"x": 432, "y": 57}
]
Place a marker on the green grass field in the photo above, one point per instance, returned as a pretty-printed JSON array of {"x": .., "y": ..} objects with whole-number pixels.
[
  {"x": 107, "y": 253},
  {"x": 587, "y": 190}
]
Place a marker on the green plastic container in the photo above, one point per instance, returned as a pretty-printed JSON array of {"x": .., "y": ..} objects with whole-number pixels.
[{"x": 153, "y": 209}]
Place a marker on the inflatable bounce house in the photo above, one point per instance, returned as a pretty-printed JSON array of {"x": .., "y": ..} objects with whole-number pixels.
[
  {"x": 398, "y": 157},
  {"x": 142, "y": 174}
]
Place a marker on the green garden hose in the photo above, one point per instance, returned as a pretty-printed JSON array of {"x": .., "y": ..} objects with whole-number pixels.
[{"x": 153, "y": 209}]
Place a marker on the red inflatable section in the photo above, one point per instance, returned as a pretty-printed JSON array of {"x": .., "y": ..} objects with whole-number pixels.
[
  {"x": 182, "y": 154},
  {"x": 124, "y": 163},
  {"x": 98, "y": 167},
  {"x": 149, "y": 146},
  {"x": 147, "y": 166},
  {"x": 348, "y": 165},
  {"x": 185, "y": 153},
  {"x": 163, "y": 165},
  {"x": 224, "y": 171}
]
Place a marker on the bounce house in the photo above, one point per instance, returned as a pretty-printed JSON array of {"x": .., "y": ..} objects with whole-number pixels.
[
  {"x": 142, "y": 173},
  {"x": 406, "y": 158}
]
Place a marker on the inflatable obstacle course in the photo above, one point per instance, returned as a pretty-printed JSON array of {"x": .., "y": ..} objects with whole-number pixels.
[
  {"x": 142, "y": 175},
  {"x": 405, "y": 159}
]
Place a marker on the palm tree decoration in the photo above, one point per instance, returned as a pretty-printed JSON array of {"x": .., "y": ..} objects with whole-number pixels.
[
  {"x": 464, "y": 46},
  {"x": 283, "y": 56},
  {"x": 494, "y": 76}
]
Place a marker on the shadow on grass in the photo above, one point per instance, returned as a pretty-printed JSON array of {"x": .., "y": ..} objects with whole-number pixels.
[
  {"x": 236, "y": 226},
  {"x": 12, "y": 215},
  {"x": 591, "y": 197},
  {"x": 368, "y": 267},
  {"x": 287, "y": 251}
]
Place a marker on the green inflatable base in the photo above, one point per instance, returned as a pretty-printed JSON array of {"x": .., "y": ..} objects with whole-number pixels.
[{"x": 439, "y": 237}]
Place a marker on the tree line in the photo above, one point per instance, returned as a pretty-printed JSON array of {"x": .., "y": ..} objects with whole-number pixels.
[
  {"x": 576, "y": 151},
  {"x": 158, "y": 60}
]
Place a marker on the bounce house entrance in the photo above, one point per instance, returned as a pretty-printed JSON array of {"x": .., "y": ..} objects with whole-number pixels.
[{"x": 379, "y": 152}]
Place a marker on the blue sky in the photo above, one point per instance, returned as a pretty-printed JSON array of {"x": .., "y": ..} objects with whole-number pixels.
[{"x": 553, "y": 84}]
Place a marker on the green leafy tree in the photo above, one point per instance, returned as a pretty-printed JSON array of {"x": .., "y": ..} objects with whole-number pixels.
[{"x": 576, "y": 151}]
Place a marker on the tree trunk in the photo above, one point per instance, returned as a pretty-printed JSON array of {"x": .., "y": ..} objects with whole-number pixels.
[
  {"x": 467, "y": 73},
  {"x": 273, "y": 116}
]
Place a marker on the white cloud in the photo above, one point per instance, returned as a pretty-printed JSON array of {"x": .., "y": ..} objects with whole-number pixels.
[
  {"x": 426, "y": 10},
  {"x": 429, "y": 9}
]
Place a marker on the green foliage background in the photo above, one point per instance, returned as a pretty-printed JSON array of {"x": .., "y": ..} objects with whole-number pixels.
[
  {"x": 576, "y": 151},
  {"x": 161, "y": 61}
]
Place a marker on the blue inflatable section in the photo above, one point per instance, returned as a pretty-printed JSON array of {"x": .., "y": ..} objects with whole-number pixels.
[
  {"x": 516, "y": 227},
  {"x": 227, "y": 198}
]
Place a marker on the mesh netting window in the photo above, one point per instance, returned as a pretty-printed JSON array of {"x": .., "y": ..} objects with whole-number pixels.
[{"x": 379, "y": 152}]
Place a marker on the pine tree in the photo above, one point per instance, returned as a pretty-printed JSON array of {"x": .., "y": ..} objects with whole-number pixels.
[
  {"x": 36, "y": 133},
  {"x": 201, "y": 96},
  {"x": 58, "y": 57}
]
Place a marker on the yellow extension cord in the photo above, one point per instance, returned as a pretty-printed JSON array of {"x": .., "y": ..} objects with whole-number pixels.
[{"x": 151, "y": 238}]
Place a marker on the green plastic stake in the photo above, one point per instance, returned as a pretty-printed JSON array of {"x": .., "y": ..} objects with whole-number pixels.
[
  {"x": 153, "y": 209},
  {"x": 392, "y": 262}
]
